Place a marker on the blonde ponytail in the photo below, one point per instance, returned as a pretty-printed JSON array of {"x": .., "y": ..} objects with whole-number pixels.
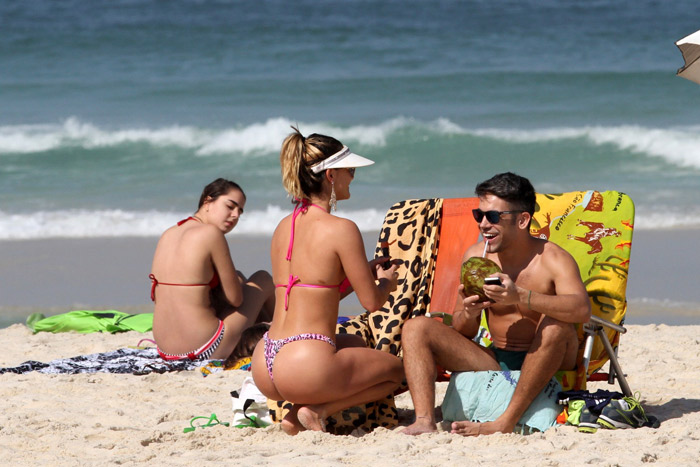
[
  {"x": 297, "y": 155},
  {"x": 291, "y": 157}
]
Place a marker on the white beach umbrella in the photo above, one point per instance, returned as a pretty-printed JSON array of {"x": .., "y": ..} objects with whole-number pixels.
[{"x": 690, "y": 48}]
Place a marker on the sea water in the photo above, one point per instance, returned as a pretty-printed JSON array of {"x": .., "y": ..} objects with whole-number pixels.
[{"x": 115, "y": 113}]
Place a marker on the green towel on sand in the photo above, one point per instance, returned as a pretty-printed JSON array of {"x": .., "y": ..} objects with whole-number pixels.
[{"x": 85, "y": 321}]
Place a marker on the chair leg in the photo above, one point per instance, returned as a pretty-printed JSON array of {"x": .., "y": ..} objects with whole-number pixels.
[
  {"x": 611, "y": 372},
  {"x": 588, "y": 348},
  {"x": 614, "y": 364}
]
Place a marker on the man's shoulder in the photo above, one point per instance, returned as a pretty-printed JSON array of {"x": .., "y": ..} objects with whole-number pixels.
[
  {"x": 556, "y": 257},
  {"x": 474, "y": 249},
  {"x": 552, "y": 249}
]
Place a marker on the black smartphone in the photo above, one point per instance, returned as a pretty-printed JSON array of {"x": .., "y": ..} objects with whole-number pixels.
[{"x": 493, "y": 281}]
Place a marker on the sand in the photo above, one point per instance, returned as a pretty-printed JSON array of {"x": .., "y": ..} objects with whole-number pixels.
[{"x": 100, "y": 419}]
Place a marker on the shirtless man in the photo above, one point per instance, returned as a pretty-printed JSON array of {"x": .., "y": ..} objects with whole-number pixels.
[{"x": 531, "y": 316}]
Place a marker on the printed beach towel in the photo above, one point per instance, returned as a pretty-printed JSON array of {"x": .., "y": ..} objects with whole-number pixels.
[{"x": 124, "y": 361}]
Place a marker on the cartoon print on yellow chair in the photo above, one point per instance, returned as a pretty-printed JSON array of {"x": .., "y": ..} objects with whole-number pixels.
[{"x": 596, "y": 228}]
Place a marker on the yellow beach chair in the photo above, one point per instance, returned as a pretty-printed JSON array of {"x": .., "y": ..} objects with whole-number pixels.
[{"x": 596, "y": 228}]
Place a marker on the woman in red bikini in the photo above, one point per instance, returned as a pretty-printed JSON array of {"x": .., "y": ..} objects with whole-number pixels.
[
  {"x": 202, "y": 303},
  {"x": 318, "y": 258}
]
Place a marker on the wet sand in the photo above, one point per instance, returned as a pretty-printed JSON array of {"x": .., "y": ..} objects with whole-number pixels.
[{"x": 58, "y": 275}]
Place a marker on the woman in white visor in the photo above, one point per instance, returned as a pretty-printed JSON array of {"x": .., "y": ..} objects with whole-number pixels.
[{"x": 317, "y": 259}]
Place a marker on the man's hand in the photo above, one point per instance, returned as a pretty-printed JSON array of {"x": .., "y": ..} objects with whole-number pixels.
[
  {"x": 506, "y": 294},
  {"x": 472, "y": 307},
  {"x": 466, "y": 320}
]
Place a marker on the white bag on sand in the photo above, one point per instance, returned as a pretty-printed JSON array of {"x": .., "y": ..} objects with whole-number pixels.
[{"x": 250, "y": 406}]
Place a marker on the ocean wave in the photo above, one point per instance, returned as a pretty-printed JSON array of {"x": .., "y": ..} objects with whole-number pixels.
[
  {"x": 678, "y": 146},
  {"x": 120, "y": 223},
  {"x": 256, "y": 138},
  {"x": 667, "y": 220},
  {"x": 654, "y": 304},
  {"x": 76, "y": 223}
]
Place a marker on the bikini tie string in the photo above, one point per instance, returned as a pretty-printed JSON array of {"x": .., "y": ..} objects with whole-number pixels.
[
  {"x": 154, "y": 283},
  {"x": 292, "y": 280},
  {"x": 301, "y": 207}
]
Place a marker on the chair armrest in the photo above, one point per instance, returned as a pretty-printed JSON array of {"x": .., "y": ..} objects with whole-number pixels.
[
  {"x": 445, "y": 317},
  {"x": 606, "y": 323}
]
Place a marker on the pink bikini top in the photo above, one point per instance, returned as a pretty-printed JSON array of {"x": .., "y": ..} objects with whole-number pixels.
[
  {"x": 154, "y": 282},
  {"x": 302, "y": 206}
]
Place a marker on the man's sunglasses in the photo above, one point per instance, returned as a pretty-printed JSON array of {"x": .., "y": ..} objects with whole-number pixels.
[{"x": 494, "y": 217}]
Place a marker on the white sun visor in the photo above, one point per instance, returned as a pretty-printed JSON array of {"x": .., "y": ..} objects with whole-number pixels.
[{"x": 342, "y": 159}]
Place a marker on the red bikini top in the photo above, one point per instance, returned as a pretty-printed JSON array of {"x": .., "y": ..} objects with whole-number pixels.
[{"x": 154, "y": 282}]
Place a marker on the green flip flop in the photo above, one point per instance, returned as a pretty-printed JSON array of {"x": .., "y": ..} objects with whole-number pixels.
[{"x": 210, "y": 421}]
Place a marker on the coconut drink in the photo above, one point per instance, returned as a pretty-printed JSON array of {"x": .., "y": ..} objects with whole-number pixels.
[{"x": 474, "y": 271}]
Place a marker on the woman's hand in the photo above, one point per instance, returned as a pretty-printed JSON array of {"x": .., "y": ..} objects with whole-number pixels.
[
  {"x": 389, "y": 275},
  {"x": 377, "y": 262},
  {"x": 381, "y": 262}
]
